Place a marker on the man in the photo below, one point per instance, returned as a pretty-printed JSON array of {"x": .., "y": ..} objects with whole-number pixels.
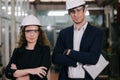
[{"x": 77, "y": 45}]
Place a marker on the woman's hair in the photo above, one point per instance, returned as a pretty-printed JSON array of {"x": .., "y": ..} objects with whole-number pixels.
[{"x": 42, "y": 38}]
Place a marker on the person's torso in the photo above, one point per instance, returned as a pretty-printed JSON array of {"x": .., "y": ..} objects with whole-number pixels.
[{"x": 29, "y": 59}]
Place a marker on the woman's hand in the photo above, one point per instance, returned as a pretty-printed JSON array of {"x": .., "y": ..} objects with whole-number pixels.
[
  {"x": 13, "y": 66},
  {"x": 40, "y": 71}
]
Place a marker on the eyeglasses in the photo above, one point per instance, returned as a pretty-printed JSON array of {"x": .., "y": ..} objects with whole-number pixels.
[
  {"x": 78, "y": 9},
  {"x": 29, "y": 31}
]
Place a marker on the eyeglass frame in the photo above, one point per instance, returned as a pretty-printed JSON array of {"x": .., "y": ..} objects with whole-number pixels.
[{"x": 29, "y": 31}]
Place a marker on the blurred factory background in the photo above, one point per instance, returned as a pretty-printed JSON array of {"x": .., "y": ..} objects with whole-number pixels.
[{"x": 104, "y": 14}]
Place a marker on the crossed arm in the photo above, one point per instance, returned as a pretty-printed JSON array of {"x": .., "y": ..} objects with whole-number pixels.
[{"x": 24, "y": 74}]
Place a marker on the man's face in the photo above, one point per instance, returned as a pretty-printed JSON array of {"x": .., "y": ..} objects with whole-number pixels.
[{"x": 78, "y": 14}]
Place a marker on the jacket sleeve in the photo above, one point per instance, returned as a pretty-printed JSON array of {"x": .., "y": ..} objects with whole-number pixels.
[
  {"x": 8, "y": 71},
  {"x": 58, "y": 57},
  {"x": 91, "y": 55}
]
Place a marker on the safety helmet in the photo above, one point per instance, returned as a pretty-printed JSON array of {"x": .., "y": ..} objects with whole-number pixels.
[
  {"x": 30, "y": 20},
  {"x": 74, "y": 3}
]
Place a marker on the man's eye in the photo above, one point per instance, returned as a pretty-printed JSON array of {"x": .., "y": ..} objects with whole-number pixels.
[{"x": 71, "y": 11}]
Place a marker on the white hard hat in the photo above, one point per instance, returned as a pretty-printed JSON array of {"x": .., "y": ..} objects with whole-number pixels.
[
  {"x": 74, "y": 3},
  {"x": 30, "y": 20}
]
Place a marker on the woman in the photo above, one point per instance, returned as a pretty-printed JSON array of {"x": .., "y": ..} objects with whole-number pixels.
[{"x": 31, "y": 59}]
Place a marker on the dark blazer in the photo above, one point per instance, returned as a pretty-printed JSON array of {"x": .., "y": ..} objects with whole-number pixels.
[{"x": 90, "y": 49}]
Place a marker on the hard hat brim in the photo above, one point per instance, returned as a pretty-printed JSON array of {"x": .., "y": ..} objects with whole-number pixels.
[{"x": 79, "y": 6}]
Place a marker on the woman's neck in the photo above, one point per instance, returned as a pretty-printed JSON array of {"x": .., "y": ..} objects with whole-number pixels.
[{"x": 30, "y": 46}]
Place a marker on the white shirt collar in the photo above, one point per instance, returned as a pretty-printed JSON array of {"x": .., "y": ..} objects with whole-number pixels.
[{"x": 84, "y": 26}]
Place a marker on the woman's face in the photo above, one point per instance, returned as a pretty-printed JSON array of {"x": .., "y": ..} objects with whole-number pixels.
[{"x": 31, "y": 34}]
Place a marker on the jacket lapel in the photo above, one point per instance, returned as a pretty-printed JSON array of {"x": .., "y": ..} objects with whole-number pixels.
[
  {"x": 71, "y": 33},
  {"x": 85, "y": 35}
]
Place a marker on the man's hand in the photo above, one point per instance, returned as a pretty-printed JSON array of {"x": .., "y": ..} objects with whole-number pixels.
[{"x": 67, "y": 51}]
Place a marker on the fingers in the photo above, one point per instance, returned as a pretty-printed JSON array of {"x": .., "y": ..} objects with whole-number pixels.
[
  {"x": 43, "y": 72},
  {"x": 40, "y": 75},
  {"x": 40, "y": 71},
  {"x": 43, "y": 68},
  {"x": 67, "y": 51},
  {"x": 13, "y": 66}
]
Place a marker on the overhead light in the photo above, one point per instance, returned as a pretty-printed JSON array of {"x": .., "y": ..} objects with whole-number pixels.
[
  {"x": 45, "y": 0},
  {"x": 30, "y": 0},
  {"x": 49, "y": 28},
  {"x": 3, "y": 7},
  {"x": 57, "y": 13},
  {"x": 115, "y": 12},
  {"x": 87, "y": 13},
  {"x": 58, "y": 0},
  {"x": 89, "y": 0},
  {"x": 52, "y": 0},
  {"x": 19, "y": 14}
]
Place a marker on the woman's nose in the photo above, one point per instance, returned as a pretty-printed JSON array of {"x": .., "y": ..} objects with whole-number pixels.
[{"x": 32, "y": 33}]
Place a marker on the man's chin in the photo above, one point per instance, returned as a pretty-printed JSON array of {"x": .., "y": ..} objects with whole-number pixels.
[{"x": 77, "y": 22}]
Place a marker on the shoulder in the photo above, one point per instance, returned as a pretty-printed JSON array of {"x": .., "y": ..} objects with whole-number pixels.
[
  {"x": 16, "y": 51},
  {"x": 67, "y": 30},
  {"x": 19, "y": 50},
  {"x": 43, "y": 47},
  {"x": 46, "y": 47},
  {"x": 95, "y": 29}
]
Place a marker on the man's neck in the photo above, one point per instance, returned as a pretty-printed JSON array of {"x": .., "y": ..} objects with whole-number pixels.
[{"x": 80, "y": 25}]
